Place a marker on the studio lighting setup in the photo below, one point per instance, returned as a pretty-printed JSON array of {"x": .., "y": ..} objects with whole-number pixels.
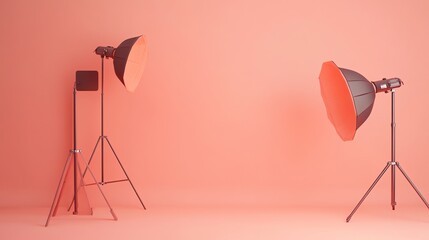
[
  {"x": 85, "y": 81},
  {"x": 349, "y": 98},
  {"x": 129, "y": 59}
]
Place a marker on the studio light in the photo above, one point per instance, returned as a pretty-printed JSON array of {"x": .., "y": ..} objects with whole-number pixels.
[
  {"x": 129, "y": 59},
  {"x": 349, "y": 98},
  {"x": 85, "y": 81}
]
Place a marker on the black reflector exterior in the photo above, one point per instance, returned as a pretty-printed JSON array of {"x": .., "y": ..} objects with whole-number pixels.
[
  {"x": 129, "y": 61},
  {"x": 121, "y": 56},
  {"x": 363, "y": 94}
]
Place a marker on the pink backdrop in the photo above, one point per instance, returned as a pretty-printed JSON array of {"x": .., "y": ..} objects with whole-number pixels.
[{"x": 228, "y": 111}]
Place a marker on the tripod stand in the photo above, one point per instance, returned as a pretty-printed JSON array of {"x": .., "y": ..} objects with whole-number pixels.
[
  {"x": 393, "y": 164},
  {"x": 78, "y": 182},
  {"x": 103, "y": 138}
]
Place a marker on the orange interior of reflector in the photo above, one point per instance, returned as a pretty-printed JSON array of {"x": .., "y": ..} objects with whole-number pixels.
[
  {"x": 338, "y": 100},
  {"x": 135, "y": 64}
]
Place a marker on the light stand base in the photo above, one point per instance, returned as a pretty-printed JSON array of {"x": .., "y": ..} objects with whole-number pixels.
[
  {"x": 77, "y": 154},
  {"x": 102, "y": 182},
  {"x": 393, "y": 202}
]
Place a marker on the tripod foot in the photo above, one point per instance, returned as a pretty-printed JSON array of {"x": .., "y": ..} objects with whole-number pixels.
[
  {"x": 114, "y": 215},
  {"x": 368, "y": 191}
]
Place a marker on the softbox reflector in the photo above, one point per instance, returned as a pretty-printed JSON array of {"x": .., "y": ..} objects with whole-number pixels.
[
  {"x": 348, "y": 97},
  {"x": 129, "y": 61}
]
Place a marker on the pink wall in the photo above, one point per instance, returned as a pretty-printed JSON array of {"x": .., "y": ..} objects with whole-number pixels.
[{"x": 228, "y": 110}]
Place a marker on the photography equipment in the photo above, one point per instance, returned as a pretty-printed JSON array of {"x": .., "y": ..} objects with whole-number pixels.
[
  {"x": 85, "y": 81},
  {"x": 129, "y": 59},
  {"x": 349, "y": 98}
]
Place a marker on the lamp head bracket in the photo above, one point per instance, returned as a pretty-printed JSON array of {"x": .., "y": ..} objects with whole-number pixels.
[
  {"x": 386, "y": 85},
  {"x": 107, "y": 52}
]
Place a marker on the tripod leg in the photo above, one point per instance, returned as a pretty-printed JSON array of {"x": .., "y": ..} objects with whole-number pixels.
[
  {"x": 367, "y": 192},
  {"x": 62, "y": 190},
  {"x": 59, "y": 189},
  {"x": 123, "y": 169},
  {"x": 393, "y": 188},
  {"x": 99, "y": 188},
  {"x": 92, "y": 155},
  {"x": 412, "y": 184},
  {"x": 81, "y": 188},
  {"x": 86, "y": 168}
]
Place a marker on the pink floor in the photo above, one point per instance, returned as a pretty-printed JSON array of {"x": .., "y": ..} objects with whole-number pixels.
[{"x": 370, "y": 222}]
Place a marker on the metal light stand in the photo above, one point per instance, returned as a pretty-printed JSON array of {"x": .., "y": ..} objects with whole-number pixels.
[
  {"x": 101, "y": 140},
  {"x": 76, "y": 153},
  {"x": 392, "y": 163}
]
